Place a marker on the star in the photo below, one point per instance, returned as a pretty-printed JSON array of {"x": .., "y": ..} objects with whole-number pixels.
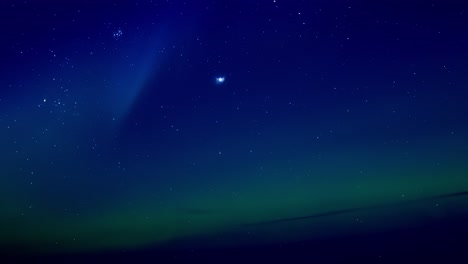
[{"x": 220, "y": 80}]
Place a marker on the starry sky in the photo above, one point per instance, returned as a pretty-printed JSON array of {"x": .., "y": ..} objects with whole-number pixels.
[{"x": 140, "y": 124}]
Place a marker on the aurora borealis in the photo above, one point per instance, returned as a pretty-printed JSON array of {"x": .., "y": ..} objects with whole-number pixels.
[{"x": 172, "y": 125}]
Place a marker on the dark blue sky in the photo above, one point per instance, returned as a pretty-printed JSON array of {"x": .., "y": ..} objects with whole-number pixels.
[{"x": 115, "y": 133}]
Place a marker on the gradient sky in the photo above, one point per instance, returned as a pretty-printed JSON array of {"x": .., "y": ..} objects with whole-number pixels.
[{"x": 115, "y": 134}]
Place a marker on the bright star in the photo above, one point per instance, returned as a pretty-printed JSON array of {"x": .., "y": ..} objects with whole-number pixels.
[{"x": 220, "y": 80}]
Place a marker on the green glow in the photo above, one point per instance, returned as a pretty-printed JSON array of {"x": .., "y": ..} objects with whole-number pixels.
[{"x": 139, "y": 220}]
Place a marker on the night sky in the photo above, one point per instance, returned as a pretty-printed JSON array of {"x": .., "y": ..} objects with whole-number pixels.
[{"x": 131, "y": 125}]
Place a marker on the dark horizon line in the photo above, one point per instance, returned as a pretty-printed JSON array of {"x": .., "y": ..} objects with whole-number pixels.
[{"x": 355, "y": 209}]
